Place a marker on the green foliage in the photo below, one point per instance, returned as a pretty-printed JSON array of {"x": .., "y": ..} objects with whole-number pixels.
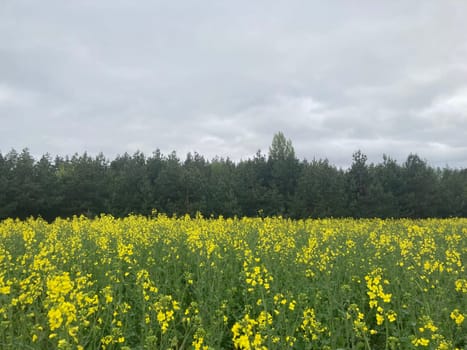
[
  {"x": 320, "y": 191},
  {"x": 246, "y": 283},
  {"x": 281, "y": 148},
  {"x": 277, "y": 184}
]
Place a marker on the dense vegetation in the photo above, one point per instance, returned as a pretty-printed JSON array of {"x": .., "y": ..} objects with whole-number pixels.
[
  {"x": 277, "y": 184},
  {"x": 250, "y": 283}
]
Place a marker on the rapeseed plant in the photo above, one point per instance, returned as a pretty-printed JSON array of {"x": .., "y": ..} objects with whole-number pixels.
[{"x": 245, "y": 283}]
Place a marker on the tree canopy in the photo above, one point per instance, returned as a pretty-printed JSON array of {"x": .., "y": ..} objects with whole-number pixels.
[{"x": 277, "y": 184}]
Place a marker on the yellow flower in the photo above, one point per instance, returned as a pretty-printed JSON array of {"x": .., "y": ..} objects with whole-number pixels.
[
  {"x": 421, "y": 342},
  {"x": 73, "y": 332},
  {"x": 63, "y": 344},
  {"x": 386, "y": 297},
  {"x": 198, "y": 343},
  {"x": 68, "y": 311},
  {"x": 106, "y": 340},
  {"x": 108, "y": 294},
  {"x": 55, "y": 318},
  {"x": 5, "y": 290},
  {"x": 379, "y": 319},
  {"x": 457, "y": 317},
  {"x": 59, "y": 286},
  {"x": 461, "y": 285},
  {"x": 391, "y": 316}
]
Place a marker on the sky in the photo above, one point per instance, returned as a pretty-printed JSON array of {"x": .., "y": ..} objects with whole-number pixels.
[{"x": 222, "y": 77}]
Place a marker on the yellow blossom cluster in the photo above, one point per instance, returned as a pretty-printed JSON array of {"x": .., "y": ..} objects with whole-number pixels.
[
  {"x": 378, "y": 298},
  {"x": 256, "y": 274},
  {"x": 310, "y": 326},
  {"x": 162, "y": 282},
  {"x": 251, "y": 333}
]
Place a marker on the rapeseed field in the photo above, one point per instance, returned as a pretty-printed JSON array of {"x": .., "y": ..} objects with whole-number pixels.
[{"x": 214, "y": 283}]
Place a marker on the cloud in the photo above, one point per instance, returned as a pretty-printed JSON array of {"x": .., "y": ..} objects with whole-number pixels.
[{"x": 221, "y": 78}]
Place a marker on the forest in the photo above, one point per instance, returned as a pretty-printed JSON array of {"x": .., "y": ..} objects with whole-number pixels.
[{"x": 276, "y": 184}]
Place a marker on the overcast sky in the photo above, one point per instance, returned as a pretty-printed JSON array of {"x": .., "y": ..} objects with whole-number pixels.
[{"x": 221, "y": 77}]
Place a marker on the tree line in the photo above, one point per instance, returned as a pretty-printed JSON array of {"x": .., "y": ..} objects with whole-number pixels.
[{"x": 273, "y": 184}]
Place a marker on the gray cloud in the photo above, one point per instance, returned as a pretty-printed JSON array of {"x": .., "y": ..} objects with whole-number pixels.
[{"x": 222, "y": 77}]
